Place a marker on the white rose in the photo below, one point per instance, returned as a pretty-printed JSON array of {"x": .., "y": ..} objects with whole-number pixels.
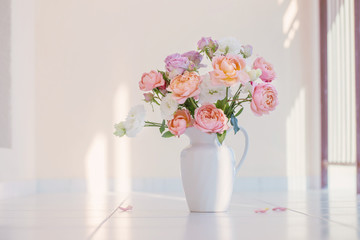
[
  {"x": 210, "y": 93},
  {"x": 135, "y": 120},
  {"x": 168, "y": 106},
  {"x": 233, "y": 45}
]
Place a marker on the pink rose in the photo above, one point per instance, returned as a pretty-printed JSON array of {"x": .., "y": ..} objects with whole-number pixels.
[
  {"x": 151, "y": 80},
  {"x": 210, "y": 119},
  {"x": 182, "y": 120},
  {"x": 176, "y": 64},
  {"x": 264, "y": 99},
  {"x": 185, "y": 86},
  {"x": 268, "y": 73},
  {"x": 229, "y": 70}
]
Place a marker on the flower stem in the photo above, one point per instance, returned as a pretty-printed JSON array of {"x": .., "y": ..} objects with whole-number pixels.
[
  {"x": 240, "y": 99},
  {"x": 193, "y": 103},
  {"x": 152, "y": 124},
  {"x": 156, "y": 102}
]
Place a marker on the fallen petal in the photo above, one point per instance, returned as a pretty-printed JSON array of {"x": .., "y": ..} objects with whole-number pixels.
[
  {"x": 261, "y": 210},
  {"x": 279, "y": 209},
  {"x": 128, "y": 208}
]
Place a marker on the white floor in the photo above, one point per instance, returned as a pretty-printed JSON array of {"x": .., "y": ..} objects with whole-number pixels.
[{"x": 310, "y": 215}]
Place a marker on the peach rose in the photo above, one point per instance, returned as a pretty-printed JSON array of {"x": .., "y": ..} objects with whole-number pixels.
[
  {"x": 151, "y": 80},
  {"x": 185, "y": 86},
  {"x": 268, "y": 73},
  {"x": 264, "y": 99},
  {"x": 229, "y": 70},
  {"x": 210, "y": 119},
  {"x": 182, "y": 120}
]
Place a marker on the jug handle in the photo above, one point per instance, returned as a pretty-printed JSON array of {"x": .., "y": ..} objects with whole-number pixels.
[{"x": 245, "y": 149}]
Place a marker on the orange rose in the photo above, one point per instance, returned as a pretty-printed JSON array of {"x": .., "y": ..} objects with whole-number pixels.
[
  {"x": 185, "y": 86},
  {"x": 210, "y": 119},
  {"x": 182, "y": 120},
  {"x": 229, "y": 70}
]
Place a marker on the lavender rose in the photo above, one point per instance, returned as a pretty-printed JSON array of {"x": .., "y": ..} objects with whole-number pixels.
[
  {"x": 208, "y": 45},
  {"x": 176, "y": 64},
  {"x": 246, "y": 51},
  {"x": 195, "y": 59}
]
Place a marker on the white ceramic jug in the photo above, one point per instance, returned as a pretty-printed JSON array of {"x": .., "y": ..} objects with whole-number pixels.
[{"x": 208, "y": 171}]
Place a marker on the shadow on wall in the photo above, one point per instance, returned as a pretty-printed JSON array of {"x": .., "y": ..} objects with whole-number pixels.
[{"x": 5, "y": 78}]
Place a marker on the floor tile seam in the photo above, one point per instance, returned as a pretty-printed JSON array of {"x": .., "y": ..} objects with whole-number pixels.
[
  {"x": 314, "y": 216},
  {"x": 107, "y": 218}
]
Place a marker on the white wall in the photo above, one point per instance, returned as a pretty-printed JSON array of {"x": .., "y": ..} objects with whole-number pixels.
[
  {"x": 17, "y": 159},
  {"x": 90, "y": 56}
]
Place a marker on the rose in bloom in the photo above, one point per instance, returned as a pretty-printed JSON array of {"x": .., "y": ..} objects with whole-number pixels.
[
  {"x": 264, "y": 99},
  {"x": 182, "y": 120},
  {"x": 185, "y": 86},
  {"x": 210, "y": 119},
  {"x": 229, "y": 70},
  {"x": 176, "y": 64},
  {"x": 151, "y": 80},
  {"x": 268, "y": 74},
  {"x": 195, "y": 59}
]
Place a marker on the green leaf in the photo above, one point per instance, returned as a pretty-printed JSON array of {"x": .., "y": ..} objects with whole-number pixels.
[
  {"x": 227, "y": 50},
  {"x": 167, "y": 134},
  {"x": 221, "y": 137},
  {"x": 239, "y": 112},
  {"x": 162, "y": 128},
  {"x": 234, "y": 123},
  {"x": 164, "y": 76},
  {"x": 221, "y": 104},
  {"x": 188, "y": 104}
]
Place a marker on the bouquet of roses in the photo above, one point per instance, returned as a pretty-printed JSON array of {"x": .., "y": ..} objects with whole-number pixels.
[{"x": 209, "y": 101}]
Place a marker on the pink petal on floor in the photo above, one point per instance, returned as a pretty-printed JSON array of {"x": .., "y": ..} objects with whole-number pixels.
[
  {"x": 128, "y": 208},
  {"x": 279, "y": 209},
  {"x": 261, "y": 210}
]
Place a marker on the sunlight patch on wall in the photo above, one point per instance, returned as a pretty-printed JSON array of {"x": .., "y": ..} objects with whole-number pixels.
[
  {"x": 96, "y": 165},
  {"x": 290, "y": 23},
  {"x": 122, "y": 154},
  {"x": 296, "y": 144}
]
